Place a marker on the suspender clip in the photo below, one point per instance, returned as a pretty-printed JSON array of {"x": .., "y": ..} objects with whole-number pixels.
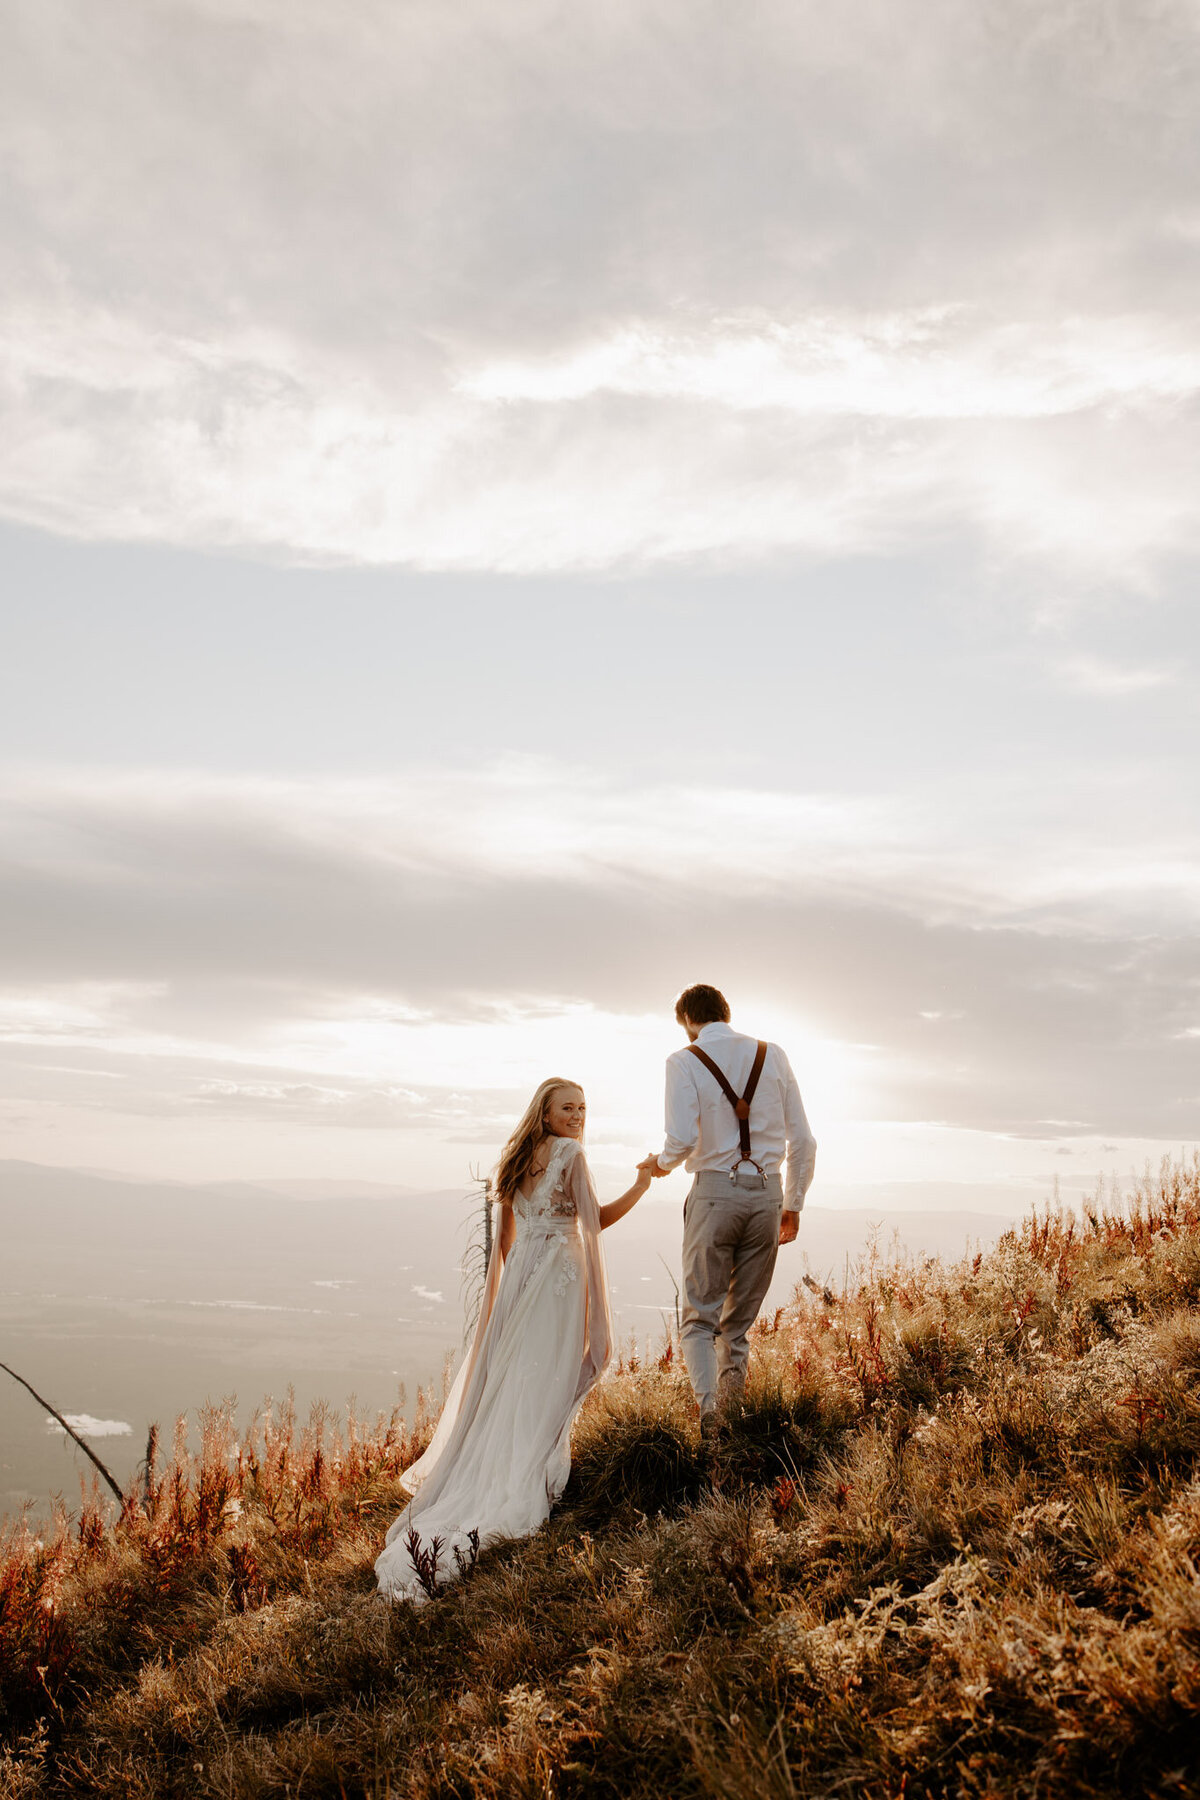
[{"x": 757, "y": 1181}]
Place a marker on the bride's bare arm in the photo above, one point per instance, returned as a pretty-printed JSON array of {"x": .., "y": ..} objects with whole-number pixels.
[
  {"x": 616, "y": 1209},
  {"x": 508, "y": 1227}
]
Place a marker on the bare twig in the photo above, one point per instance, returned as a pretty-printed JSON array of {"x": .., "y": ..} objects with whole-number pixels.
[
  {"x": 670, "y": 1271},
  {"x": 478, "y": 1254},
  {"x": 70, "y": 1431}
]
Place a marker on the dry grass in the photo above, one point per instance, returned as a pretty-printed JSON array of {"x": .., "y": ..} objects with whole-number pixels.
[{"x": 949, "y": 1547}]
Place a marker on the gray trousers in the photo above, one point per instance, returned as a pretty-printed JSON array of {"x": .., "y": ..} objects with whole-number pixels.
[{"x": 730, "y": 1241}]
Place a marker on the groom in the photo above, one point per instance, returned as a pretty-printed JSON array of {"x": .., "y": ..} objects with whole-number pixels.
[{"x": 733, "y": 1110}]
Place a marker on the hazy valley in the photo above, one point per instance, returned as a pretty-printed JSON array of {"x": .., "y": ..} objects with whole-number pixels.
[{"x": 132, "y": 1301}]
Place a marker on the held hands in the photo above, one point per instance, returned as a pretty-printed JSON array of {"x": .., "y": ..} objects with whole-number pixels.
[
  {"x": 647, "y": 1169},
  {"x": 650, "y": 1165}
]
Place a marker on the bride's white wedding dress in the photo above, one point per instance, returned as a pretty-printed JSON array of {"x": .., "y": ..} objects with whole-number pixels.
[{"x": 501, "y": 1453}]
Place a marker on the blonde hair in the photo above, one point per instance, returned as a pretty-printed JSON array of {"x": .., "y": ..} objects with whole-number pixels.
[{"x": 516, "y": 1158}]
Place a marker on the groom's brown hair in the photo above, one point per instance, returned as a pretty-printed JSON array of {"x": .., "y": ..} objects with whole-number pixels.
[{"x": 703, "y": 1006}]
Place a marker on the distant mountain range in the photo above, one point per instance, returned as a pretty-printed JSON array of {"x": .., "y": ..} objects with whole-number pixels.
[
  {"x": 71, "y": 1231},
  {"x": 86, "y": 1232}
]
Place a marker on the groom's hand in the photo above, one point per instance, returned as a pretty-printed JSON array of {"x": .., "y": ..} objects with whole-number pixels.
[
  {"x": 651, "y": 1163},
  {"x": 789, "y": 1226}
]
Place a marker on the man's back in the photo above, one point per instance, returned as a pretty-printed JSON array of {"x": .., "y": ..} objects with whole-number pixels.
[
  {"x": 702, "y": 1127},
  {"x": 737, "y": 1213}
]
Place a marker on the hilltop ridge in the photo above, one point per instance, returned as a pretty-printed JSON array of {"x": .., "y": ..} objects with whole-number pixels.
[{"x": 948, "y": 1546}]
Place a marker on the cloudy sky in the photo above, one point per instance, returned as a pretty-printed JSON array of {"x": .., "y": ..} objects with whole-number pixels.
[{"x": 509, "y": 509}]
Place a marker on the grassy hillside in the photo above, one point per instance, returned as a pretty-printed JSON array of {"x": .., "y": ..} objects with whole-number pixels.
[{"x": 950, "y": 1547}]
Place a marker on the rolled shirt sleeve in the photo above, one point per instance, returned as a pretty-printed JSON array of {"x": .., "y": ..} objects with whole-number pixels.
[
  {"x": 801, "y": 1145},
  {"x": 683, "y": 1115}
]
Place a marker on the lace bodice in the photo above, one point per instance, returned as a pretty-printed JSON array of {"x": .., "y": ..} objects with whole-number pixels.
[{"x": 552, "y": 1197}]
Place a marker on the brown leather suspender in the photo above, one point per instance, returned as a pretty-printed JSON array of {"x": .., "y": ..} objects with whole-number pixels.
[{"x": 741, "y": 1107}]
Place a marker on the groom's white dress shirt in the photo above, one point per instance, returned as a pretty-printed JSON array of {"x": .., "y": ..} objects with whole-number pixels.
[{"x": 702, "y": 1129}]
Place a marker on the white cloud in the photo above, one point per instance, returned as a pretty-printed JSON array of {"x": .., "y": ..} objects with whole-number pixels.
[
  {"x": 944, "y": 362},
  {"x": 365, "y": 958},
  {"x": 1092, "y": 675},
  {"x": 198, "y": 838},
  {"x": 89, "y": 1427},
  {"x": 603, "y": 285},
  {"x": 811, "y": 438}
]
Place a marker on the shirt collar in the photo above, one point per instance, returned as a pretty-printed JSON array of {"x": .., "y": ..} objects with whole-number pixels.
[{"x": 716, "y": 1029}]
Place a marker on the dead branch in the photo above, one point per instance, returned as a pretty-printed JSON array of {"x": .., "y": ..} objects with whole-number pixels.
[{"x": 71, "y": 1433}]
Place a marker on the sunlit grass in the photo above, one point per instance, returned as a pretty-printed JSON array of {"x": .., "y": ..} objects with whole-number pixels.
[{"x": 948, "y": 1546}]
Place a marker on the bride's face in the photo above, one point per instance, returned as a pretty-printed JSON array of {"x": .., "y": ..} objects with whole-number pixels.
[{"x": 566, "y": 1112}]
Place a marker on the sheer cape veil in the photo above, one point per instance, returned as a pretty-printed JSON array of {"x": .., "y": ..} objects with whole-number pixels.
[{"x": 429, "y": 1472}]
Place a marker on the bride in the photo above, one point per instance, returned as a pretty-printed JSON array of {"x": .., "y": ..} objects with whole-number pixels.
[{"x": 501, "y": 1453}]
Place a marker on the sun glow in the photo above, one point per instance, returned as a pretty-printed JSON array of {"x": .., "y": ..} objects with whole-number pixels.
[{"x": 617, "y": 1058}]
